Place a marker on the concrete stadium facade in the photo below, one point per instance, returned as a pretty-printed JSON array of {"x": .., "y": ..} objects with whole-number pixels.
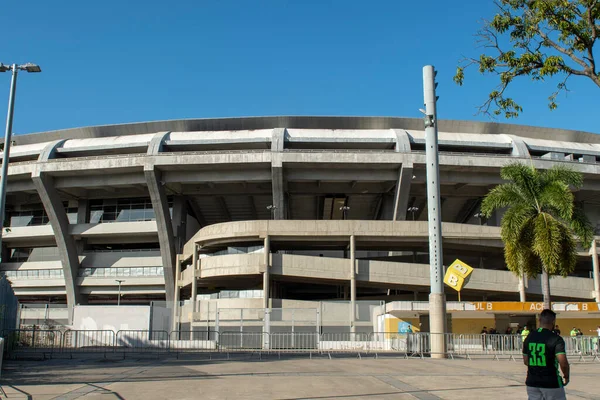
[{"x": 270, "y": 209}]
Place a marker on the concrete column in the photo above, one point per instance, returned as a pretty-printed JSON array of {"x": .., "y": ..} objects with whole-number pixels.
[
  {"x": 164, "y": 227},
  {"x": 83, "y": 210},
  {"x": 44, "y": 185},
  {"x": 179, "y": 221},
  {"x": 266, "y": 278},
  {"x": 352, "y": 284},
  {"x": 402, "y": 194},
  {"x": 595, "y": 270},
  {"x": 195, "y": 261},
  {"x": 176, "y": 308},
  {"x": 160, "y": 205},
  {"x": 277, "y": 181},
  {"x": 522, "y": 295}
]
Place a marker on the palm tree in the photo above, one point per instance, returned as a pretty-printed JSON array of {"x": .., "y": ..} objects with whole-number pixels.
[{"x": 542, "y": 225}]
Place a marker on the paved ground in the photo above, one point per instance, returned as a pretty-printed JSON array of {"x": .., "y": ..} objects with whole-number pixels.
[{"x": 297, "y": 378}]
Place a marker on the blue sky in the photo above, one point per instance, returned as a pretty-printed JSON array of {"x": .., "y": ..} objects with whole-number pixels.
[{"x": 125, "y": 61}]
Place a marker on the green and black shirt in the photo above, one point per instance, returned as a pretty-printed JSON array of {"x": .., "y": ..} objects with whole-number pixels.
[{"x": 542, "y": 347}]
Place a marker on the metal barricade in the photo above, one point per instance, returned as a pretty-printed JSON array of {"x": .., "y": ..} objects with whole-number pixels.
[
  {"x": 289, "y": 342},
  {"x": 347, "y": 342},
  {"x": 388, "y": 342},
  {"x": 242, "y": 341},
  {"x": 193, "y": 341},
  {"x": 88, "y": 341},
  {"x": 418, "y": 344},
  {"x": 583, "y": 347},
  {"x": 140, "y": 341},
  {"x": 27, "y": 341}
]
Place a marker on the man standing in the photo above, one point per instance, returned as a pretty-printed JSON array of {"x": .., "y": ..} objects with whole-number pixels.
[{"x": 543, "y": 352}]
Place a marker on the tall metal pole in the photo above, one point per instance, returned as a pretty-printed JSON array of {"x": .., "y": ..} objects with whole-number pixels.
[
  {"x": 437, "y": 298},
  {"x": 6, "y": 153},
  {"x": 119, "y": 298}
]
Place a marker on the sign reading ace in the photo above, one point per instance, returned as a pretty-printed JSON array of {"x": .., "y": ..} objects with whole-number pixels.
[{"x": 457, "y": 275}]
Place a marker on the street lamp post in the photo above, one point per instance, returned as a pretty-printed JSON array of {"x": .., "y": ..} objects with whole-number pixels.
[
  {"x": 272, "y": 208},
  {"x": 344, "y": 210},
  {"x": 413, "y": 210},
  {"x": 481, "y": 217},
  {"x": 437, "y": 297},
  {"x": 8, "y": 133},
  {"x": 119, "y": 281}
]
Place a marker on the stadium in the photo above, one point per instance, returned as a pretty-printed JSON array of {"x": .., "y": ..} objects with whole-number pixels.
[{"x": 284, "y": 213}]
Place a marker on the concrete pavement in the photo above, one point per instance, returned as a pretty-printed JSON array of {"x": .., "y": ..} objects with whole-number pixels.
[{"x": 290, "y": 379}]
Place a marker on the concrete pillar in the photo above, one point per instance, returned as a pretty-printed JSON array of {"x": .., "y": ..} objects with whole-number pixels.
[
  {"x": 195, "y": 261},
  {"x": 164, "y": 227},
  {"x": 83, "y": 211},
  {"x": 522, "y": 295},
  {"x": 176, "y": 307},
  {"x": 437, "y": 323},
  {"x": 179, "y": 221},
  {"x": 277, "y": 181},
  {"x": 402, "y": 193},
  {"x": 160, "y": 205},
  {"x": 59, "y": 221},
  {"x": 595, "y": 270},
  {"x": 266, "y": 278},
  {"x": 352, "y": 284}
]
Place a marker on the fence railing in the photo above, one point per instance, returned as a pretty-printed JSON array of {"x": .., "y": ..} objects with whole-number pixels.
[{"x": 21, "y": 342}]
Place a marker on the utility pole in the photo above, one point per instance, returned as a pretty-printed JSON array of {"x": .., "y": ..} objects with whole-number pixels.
[
  {"x": 437, "y": 297},
  {"x": 29, "y": 67}
]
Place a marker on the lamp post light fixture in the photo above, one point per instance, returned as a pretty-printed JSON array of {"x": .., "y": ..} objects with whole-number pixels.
[
  {"x": 119, "y": 281},
  {"x": 15, "y": 68},
  {"x": 413, "y": 210},
  {"x": 480, "y": 216},
  {"x": 344, "y": 210},
  {"x": 272, "y": 208}
]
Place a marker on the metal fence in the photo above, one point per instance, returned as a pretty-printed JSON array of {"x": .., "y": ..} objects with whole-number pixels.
[
  {"x": 8, "y": 305},
  {"x": 52, "y": 343}
]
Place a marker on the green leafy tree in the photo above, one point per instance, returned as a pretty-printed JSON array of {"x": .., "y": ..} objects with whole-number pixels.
[
  {"x": 538, "y": 39},
  {"x": 542, "y": 224}
]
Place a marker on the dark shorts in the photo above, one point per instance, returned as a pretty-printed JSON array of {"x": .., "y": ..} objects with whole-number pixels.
[{"x": 534, "y": 393}]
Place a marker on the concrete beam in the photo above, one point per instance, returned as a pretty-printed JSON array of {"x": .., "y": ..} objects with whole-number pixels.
[
  {"x": 519, "y": 148},
  {"x": 157, "y": 142},
  {"x": 277, "y": 181},
  {"x": 402, "y": 194},
  {"x": 402, "y": 141},
  {"x": 278, "y": 138},
  {"x": 468, "y": 210},
  {"x": 342, "y": 175},
  {"x": 223, "y": 207},
  {"x": 59, "y": 221},
  {"x": 196, "y": 212}
]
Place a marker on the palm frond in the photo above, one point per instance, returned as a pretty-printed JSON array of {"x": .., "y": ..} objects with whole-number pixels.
[
  {"x": 525, "y": 177},
  {"x": 501, "y": 196},
  {"x": 515, "y": 220},
  {"x": 568, "y": 249},
  {"x": 564, "y": 174},
  {"x": 555, "y": 196},
  {"x": 547, "y": 241},
  {"x": 582, "y": 227}
]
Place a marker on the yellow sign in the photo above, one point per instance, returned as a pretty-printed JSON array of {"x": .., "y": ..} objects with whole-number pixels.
[
  {"x": 457, "y": 275},
  {"x": 534, "y": 307}
]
